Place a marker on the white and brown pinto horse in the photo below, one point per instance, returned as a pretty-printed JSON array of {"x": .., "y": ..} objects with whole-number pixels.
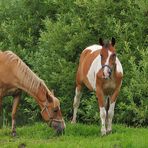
[
  {"x": 101, "y": 71},
  {"x": 16, "y": 76}
]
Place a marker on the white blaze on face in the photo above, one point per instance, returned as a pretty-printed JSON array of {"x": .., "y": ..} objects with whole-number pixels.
[{"x": 106, "y": 69}]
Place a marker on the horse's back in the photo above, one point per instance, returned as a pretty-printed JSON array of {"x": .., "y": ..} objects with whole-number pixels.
[
  {"x": 8, "y": 67},
  {"x": 87, "y": 58},
  {"x": 7, "y": 56},
  {"x": 8, "y": 60}
]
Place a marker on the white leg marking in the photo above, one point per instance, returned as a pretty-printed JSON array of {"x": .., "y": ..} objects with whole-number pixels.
[
  {"x": 110, "y": 117},
  {"x": 76, "y": 105},
  {"x": 103, "y": 117}
]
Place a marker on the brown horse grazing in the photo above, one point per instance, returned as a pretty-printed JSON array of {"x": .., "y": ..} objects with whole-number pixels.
[
  {"x": 15, "y": 76},
  {"x": 100, "y": 70}
]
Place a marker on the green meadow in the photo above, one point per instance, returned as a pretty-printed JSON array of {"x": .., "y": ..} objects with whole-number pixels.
[{"x": 79, "y": 135}]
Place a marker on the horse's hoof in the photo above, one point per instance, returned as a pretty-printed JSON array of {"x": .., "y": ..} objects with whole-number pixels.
[
  {"x": 103, "y": 133},
  {"x": 13, "y": 134},
  {"x": 73, "y": 122},
  {"x": 109, "y": 132},
  {"x": 22, "y": 145}
]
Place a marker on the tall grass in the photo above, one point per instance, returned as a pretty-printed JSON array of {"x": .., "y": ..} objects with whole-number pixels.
[{"x": 76, "y": 136}]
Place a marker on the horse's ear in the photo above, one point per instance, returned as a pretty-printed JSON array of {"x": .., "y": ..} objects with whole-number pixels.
[
  {"x": 101, "y": 42},
  {"x": 113, "y": 41},
  {"x": 49, "y": 98}
]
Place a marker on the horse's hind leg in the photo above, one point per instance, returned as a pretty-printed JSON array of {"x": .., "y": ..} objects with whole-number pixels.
[
  {"x": 76, "y": 102},
  {"x": 14, "y": 109}
]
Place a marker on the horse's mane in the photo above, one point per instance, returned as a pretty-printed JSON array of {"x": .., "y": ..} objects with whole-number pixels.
[{"x": 29, "y": 81}]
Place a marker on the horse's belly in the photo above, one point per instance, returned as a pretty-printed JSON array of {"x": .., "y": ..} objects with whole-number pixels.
[{"x": 108, "y": 91}]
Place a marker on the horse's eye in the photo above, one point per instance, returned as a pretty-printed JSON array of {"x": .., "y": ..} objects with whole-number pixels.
[{"x": 55, "y": 110}]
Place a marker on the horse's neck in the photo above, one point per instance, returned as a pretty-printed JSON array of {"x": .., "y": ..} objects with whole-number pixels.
[
  {"x": 114, "y": 71},
  {"x": 27, "y": 80},
  {"x": 41, "y": 95},
  {"x": 28, "y": 90},
  {"x": 35, "y": 87}
]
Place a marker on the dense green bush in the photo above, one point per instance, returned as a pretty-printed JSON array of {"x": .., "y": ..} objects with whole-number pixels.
[{"x": 50, "y": 35}]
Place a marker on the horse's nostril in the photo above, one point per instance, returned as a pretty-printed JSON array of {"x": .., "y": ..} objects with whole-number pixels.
[{"x": 110, "y": 72}]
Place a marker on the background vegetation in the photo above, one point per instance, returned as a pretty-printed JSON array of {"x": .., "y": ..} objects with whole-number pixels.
[{"x": 49, "y": 36}]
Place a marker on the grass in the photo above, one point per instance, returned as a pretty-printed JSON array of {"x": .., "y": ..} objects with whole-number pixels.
[{"x": 76, "y": 136}]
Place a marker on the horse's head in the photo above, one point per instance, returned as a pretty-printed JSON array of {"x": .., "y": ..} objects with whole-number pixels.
[
  {"x": 52, "y": 114},
  {"x": 108, "y": 57}
]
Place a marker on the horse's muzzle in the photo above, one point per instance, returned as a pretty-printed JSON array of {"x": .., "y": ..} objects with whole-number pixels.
[
  {"x": 107, "y": 71},
  {"x": 58, "y": 126}
]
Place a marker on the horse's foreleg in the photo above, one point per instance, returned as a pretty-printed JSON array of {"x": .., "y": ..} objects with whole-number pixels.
[
  {"x": 1, "y": 116},
  {"x": 111, "y": 110},
  {"x": 14, "y": 109},
  {"x": 100, "y": 97},
  {"x": 76, "y": 103},
  {"x": 110, "y": 117}
]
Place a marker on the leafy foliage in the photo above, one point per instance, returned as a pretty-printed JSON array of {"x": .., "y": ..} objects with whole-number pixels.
[{"x": 50, "y": 35}]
